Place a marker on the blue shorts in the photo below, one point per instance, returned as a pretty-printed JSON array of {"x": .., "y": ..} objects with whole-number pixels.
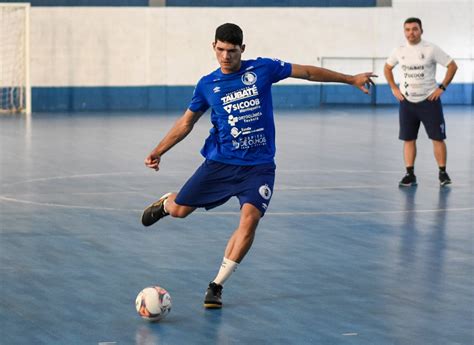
[
  {"x": 430, "y": 113},
  {"x": 214, "y": 183}
]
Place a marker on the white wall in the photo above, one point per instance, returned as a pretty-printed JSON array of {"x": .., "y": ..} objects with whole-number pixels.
[{"x": 81, "y": 46}]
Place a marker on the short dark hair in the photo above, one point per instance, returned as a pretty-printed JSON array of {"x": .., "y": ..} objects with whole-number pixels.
[
  {"x": 414, "y": 20},
  {"x": 230, "y": 33}
]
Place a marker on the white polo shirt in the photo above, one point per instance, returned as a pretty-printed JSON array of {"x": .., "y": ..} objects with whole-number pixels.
[{"x": 418, "y": 68}]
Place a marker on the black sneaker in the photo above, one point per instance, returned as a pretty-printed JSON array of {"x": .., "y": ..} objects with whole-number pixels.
[
  {"x": 408, "y": 180},
  {"x": 213, "y": 297},
  {"x": 155, "y": 211},
  {"x": 444, "y": 178}
]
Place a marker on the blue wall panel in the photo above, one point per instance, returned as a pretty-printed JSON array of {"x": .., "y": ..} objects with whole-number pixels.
[
  {"x": 84, "y": 2},
  {"x": 111, "y": 98},
  {"x": 207, "y": 3},
  {"x": 344, "y": 94},
  {"x": 273, "y": 3},
  {"x": 178, "y": 97},
  {"x": 455, "y": 94},
  {"x": 296, "y": 96}
]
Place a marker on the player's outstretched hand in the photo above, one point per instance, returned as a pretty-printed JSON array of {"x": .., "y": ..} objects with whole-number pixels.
[
  {"x": 153, "y": 161},
  {"x": 363, "y": 81}
]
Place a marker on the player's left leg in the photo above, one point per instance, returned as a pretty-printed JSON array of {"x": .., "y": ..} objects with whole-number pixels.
[
  {"x": 440, "y": 153},
  {"x": 163, "y": 207},
  {"x": 237, "y": 247},
  {"x": 433, "y": 120}
]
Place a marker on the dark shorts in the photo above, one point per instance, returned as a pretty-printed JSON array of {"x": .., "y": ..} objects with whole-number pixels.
[
  {"x": 214, "y": 183},
  {"x": 430, "y": 113}
]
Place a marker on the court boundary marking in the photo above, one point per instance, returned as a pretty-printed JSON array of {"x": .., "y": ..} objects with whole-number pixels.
[
  {"x": 184, "y": 171},
  {"x": 229, "y": 213}
]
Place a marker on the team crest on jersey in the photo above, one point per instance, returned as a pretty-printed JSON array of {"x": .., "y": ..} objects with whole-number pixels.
[
  {"x": 265, "y": 192},
  {"x": 249, "y": 78}
]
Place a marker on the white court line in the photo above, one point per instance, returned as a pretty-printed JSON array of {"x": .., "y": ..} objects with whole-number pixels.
[
  {"x": 393, "y": 186},
  {"x": 65, "y": 177},
  {"x": 165, "y": 172},
  {"x": 217, "y": 213},
  {"x": 146, "y": 192}
]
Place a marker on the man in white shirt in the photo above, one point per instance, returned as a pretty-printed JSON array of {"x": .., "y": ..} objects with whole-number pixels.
[{"x": 419, "y": 96}]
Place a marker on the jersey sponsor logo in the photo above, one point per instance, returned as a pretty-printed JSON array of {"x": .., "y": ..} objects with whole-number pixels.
[
  {"x": 240, "y": 94},
  {"x": 249, "y": 78},
  {"x": 241, "y": 106},
  {"x": 249, "y": 130},
  {"x": 414, "y": 75},
  {"x": 250, "y": 141},
  {"x": 413, "y": 68},
  {"x": 413, "y": 71},
  {"x": 232, "y": 120},
  {"x": 235, "y": 132},
  {"x": 265, "y": 192}
]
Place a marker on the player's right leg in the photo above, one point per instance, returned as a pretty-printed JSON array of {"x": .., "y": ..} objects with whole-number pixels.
[
  {"x": 409, "y": 126},
  {"x": 237, "y": 247},
  {"x": 409, "y": 155}
]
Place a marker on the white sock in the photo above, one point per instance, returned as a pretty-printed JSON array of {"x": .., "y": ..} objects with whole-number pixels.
[
  {"x": 227, "y": 268},
  {"x": 164, "y": 205}
]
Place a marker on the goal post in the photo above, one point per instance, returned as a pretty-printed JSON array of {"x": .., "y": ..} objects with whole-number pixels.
[{"x": 15, "y": 88}]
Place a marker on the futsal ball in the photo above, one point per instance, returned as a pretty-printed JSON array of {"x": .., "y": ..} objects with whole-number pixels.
[{"x": 153, "y": 303}]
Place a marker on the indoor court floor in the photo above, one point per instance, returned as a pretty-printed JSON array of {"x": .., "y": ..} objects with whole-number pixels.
[{"x": 343, "y": 255}]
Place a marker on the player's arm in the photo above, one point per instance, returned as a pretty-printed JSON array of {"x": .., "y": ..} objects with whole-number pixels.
[
  {"x": 182, "y": 127},
  {"x": 312, "y": 73},
  {"x": 387, "y": 71},
  {"x": 450, "y": 72}
]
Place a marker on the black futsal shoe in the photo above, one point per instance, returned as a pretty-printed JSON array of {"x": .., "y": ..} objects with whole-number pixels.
[
  {"x": 408, "y": 180},
  {"x": 213, "y": 297},
  {"x": 155, "y": 211},
  {"x": 444, "y": 178}
]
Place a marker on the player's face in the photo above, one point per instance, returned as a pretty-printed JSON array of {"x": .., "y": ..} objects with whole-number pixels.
[
  {"x": 228, "y": 55},
  {"x": 412, "y": 32}
]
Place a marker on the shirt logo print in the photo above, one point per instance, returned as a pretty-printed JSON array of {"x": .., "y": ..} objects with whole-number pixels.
[{"x": 249, "y": 78}]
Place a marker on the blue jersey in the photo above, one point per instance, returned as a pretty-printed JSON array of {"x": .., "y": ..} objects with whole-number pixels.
[{"x": 243, "y": 131}]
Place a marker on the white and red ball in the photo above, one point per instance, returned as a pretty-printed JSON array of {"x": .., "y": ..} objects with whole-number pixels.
[{"x": 153, "y": 303}]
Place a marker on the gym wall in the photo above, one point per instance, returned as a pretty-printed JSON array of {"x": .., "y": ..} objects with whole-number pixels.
[{"x": 149, "y": 58}]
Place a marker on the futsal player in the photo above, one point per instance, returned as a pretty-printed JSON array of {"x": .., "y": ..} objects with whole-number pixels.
[
  {"x": 239, "y": 152},
  {"x": 420, "y": 97}
]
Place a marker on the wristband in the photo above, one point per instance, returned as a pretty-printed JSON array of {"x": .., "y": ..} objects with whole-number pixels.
[{"x": 442, "y": 87}]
